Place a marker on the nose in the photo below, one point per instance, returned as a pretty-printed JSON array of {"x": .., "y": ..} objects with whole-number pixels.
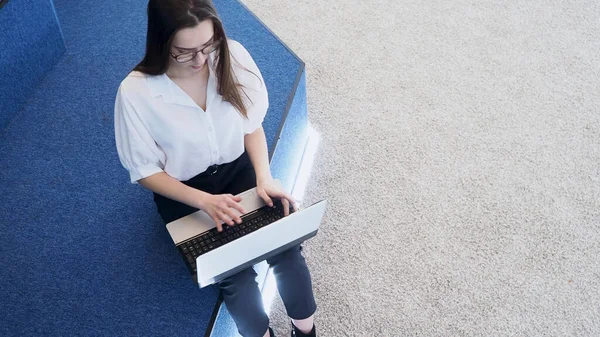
[{"x": 199, "y": 59}]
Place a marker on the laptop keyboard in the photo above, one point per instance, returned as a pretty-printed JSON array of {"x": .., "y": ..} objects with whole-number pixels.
[{"x": 214, "y": 239}]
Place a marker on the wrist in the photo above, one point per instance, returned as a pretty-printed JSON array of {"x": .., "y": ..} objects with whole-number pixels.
[
  {"x": 198, "y": 198},
  {"x": 265, "y": 177}
]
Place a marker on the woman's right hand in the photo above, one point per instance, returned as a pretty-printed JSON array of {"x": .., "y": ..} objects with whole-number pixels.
[{"x": 220, "y": 208}]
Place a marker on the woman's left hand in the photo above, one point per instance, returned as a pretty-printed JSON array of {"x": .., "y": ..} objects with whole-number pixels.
[{"x": 268, "y": 189}]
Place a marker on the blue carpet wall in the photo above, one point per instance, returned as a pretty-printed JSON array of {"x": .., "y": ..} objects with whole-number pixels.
[
  {"x": 84, "y": 252},
  {"x": 30, "y": 44}
]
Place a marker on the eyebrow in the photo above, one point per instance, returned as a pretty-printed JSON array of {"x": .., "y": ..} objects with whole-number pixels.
[{"x": 204, "y": 45}]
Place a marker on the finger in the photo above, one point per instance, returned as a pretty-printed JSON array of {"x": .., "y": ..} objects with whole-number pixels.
[
  {"x": 280, "y": 194},
  {"x": 218, "y": 222},
  {"x": 288, "y": 197},
  {"x": 225, "y": 218},
  {"x": 264, "y": 196},
  {"x": 222, "y": 209},
  {"x": 233, "y": 216},
  {"x": 236, "y": 206},
  {"x": 235, "y": 198},
  {"x": 286, "y": 207}
]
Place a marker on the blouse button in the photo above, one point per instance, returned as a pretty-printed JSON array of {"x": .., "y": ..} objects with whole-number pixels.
[{"x": 210, "y": 128}]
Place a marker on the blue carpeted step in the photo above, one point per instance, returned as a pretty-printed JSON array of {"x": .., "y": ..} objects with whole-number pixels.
[{"x": 83, "y": 251}]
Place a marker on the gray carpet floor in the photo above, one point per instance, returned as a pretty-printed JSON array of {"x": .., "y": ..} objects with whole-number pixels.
[{"x": 460, "y": 155}]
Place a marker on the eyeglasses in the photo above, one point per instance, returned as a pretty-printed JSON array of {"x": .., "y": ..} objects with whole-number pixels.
[{"x": 186, "y": 57}]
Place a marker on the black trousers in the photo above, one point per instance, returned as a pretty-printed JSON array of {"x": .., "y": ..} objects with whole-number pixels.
[{"x": 240, "y": 291}]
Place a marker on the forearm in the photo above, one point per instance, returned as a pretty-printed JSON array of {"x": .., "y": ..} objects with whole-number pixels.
[
  {"x": 169, "y": 187},
  {"x": 256, "y": 147}
]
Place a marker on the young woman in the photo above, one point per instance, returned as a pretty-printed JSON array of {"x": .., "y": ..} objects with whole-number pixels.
[{"x": 188, "y": 127}]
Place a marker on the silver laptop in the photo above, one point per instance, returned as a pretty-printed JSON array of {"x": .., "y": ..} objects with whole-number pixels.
[{"x": 212, "y": 256}]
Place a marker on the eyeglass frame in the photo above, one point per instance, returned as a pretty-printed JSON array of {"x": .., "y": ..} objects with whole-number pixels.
[{"x": 195, "y": 53}]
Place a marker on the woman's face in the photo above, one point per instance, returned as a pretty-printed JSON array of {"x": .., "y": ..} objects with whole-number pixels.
[{"x": 188, "y": 41}]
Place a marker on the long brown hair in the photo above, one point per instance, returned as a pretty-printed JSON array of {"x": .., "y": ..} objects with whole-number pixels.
[{"x": 165, "y": 19}]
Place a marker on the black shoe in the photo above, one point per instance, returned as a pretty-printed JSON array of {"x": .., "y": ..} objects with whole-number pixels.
[{"x": 297, "y": 333}]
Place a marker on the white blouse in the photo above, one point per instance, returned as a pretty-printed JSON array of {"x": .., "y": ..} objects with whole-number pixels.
[{"x": 158, "y": 127}]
